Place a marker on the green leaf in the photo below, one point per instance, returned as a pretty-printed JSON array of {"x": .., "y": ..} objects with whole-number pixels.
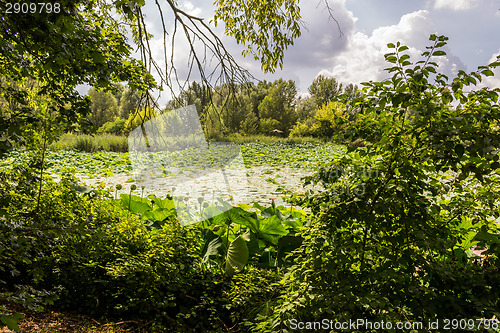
[
  {"x": 11, "y": 320},
  {"x": 166, "y": 203},
  {"x": 488, "y": 72},
  {"x": 134, "y": 204},
  {"x": 158, "y": 214},
  {"x": 438, "y": 53},
  {"x": 237, "y": 256}
]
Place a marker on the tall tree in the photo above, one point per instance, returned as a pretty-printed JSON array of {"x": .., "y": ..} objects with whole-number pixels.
[
  {"x": 104, "y": 107},
  {"x": 129, "y": 102},
  {"x": 306, "y": 108},
  {"x": 324, "y": 89},
  {"x": 279, "y": 104}
]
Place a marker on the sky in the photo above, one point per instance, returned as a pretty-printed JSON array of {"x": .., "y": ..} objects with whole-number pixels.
[{"x": 357, "y": 55}]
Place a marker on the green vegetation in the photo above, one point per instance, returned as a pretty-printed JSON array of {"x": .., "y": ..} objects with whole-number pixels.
[
  {"x": 402, "y": 225},
  {"x": 91, "y": 143}
]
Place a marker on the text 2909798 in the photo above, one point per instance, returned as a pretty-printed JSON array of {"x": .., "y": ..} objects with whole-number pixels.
[{"x": 32, "y": 7}]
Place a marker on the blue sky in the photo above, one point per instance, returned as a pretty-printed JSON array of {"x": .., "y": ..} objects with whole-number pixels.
[{"x": 473, "y": 27}]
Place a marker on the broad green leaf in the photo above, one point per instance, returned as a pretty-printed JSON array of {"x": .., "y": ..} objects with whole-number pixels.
[
  {"x": 134, "y": 204},
  {"x": 158, "y": 214},
  {"x": 237, "y": 256},
  {"x": 488, "y": 72},
  {"x": 162, "y": 203},
  {"x": 11, "y": 320}
]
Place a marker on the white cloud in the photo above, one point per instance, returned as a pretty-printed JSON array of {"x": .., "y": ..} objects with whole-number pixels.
[
  {"x": 316, "y": 48},
  {"x": 493, "y": 81},
  {"x": 455, "y": 4},
  {"x": 363, "y": 60},
  {"x": 189, "y": 8}
]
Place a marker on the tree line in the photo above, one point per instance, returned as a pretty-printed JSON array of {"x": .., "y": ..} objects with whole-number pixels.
[{"x": 269, "y": 108}]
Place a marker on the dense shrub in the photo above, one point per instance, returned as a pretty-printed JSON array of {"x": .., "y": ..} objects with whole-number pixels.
[
  {"x": 113, "y": 127},
  {"x": 34, "y": 219},
  {"x": 76, "y": 249},
  {"x": 394, "y": 223},
  {"x": 330, "y": 121}
]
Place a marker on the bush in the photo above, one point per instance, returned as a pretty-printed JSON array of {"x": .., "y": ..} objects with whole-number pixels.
[
  {"x": 34, "y": 219},
  {"x": 395, "y": 222},
  {"x": 137, "y": 118},
  {"x": 113, "y": 127},
  {"x": 269, "y": 124},
  {"x": 303, "y": 129},
  {"x": 329, "y": 121},
  {"x": 82, "y": 252}
]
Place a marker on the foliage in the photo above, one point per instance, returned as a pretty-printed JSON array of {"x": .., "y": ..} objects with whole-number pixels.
[
  {"x": 252, "y": 294},
  {"x": 233, "y": 237},
  {"x": 266, "y": 29},
  {"x": 129, "y": 101},
  {"x": 302, "y": 129},
  {"x": 59, "y": 51},
  {"x": 251, "y": 124},
  {"x": 81, "y": 251},
  {"x": 329, "y": 121},
  {"x": 10, "y": 320},
  {"x": 279, "y": 105},
  {"x": 393, "y": 226},
  {"x": 113, "y": 127},
  {"x": 104, "y": 107},
  {"x": 267, "y": 125},
  {"x": 139, "y": 117},
  {"x": 306, "y": 109},
  {"x": 35, "y": 215},
  {"x": 324, "y": 89}
]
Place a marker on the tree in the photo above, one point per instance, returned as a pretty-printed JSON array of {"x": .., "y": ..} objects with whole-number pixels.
[
  {"x": 78, "y": 44},
  {"x": 198, "y": 94},
  {"x": 324, "y": 89},
  {"x": 306, "y": 108},
  {"x": 104, "y": 107},
  {"x": 266, "y": 29},
  {"x": 279, "y": 104},
  {"x": 130, "y": 101},
  {"x": 251, "y": 124},
  {"x": 84, "y": 42},
  {"x": 330, "y": 119}
]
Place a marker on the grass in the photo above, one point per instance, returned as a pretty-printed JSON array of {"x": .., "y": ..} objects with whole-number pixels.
[
  {"x": 119, "y": 143},
  {"x": 90, "y": 144},
  {"x": 241, "y": 139}
]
